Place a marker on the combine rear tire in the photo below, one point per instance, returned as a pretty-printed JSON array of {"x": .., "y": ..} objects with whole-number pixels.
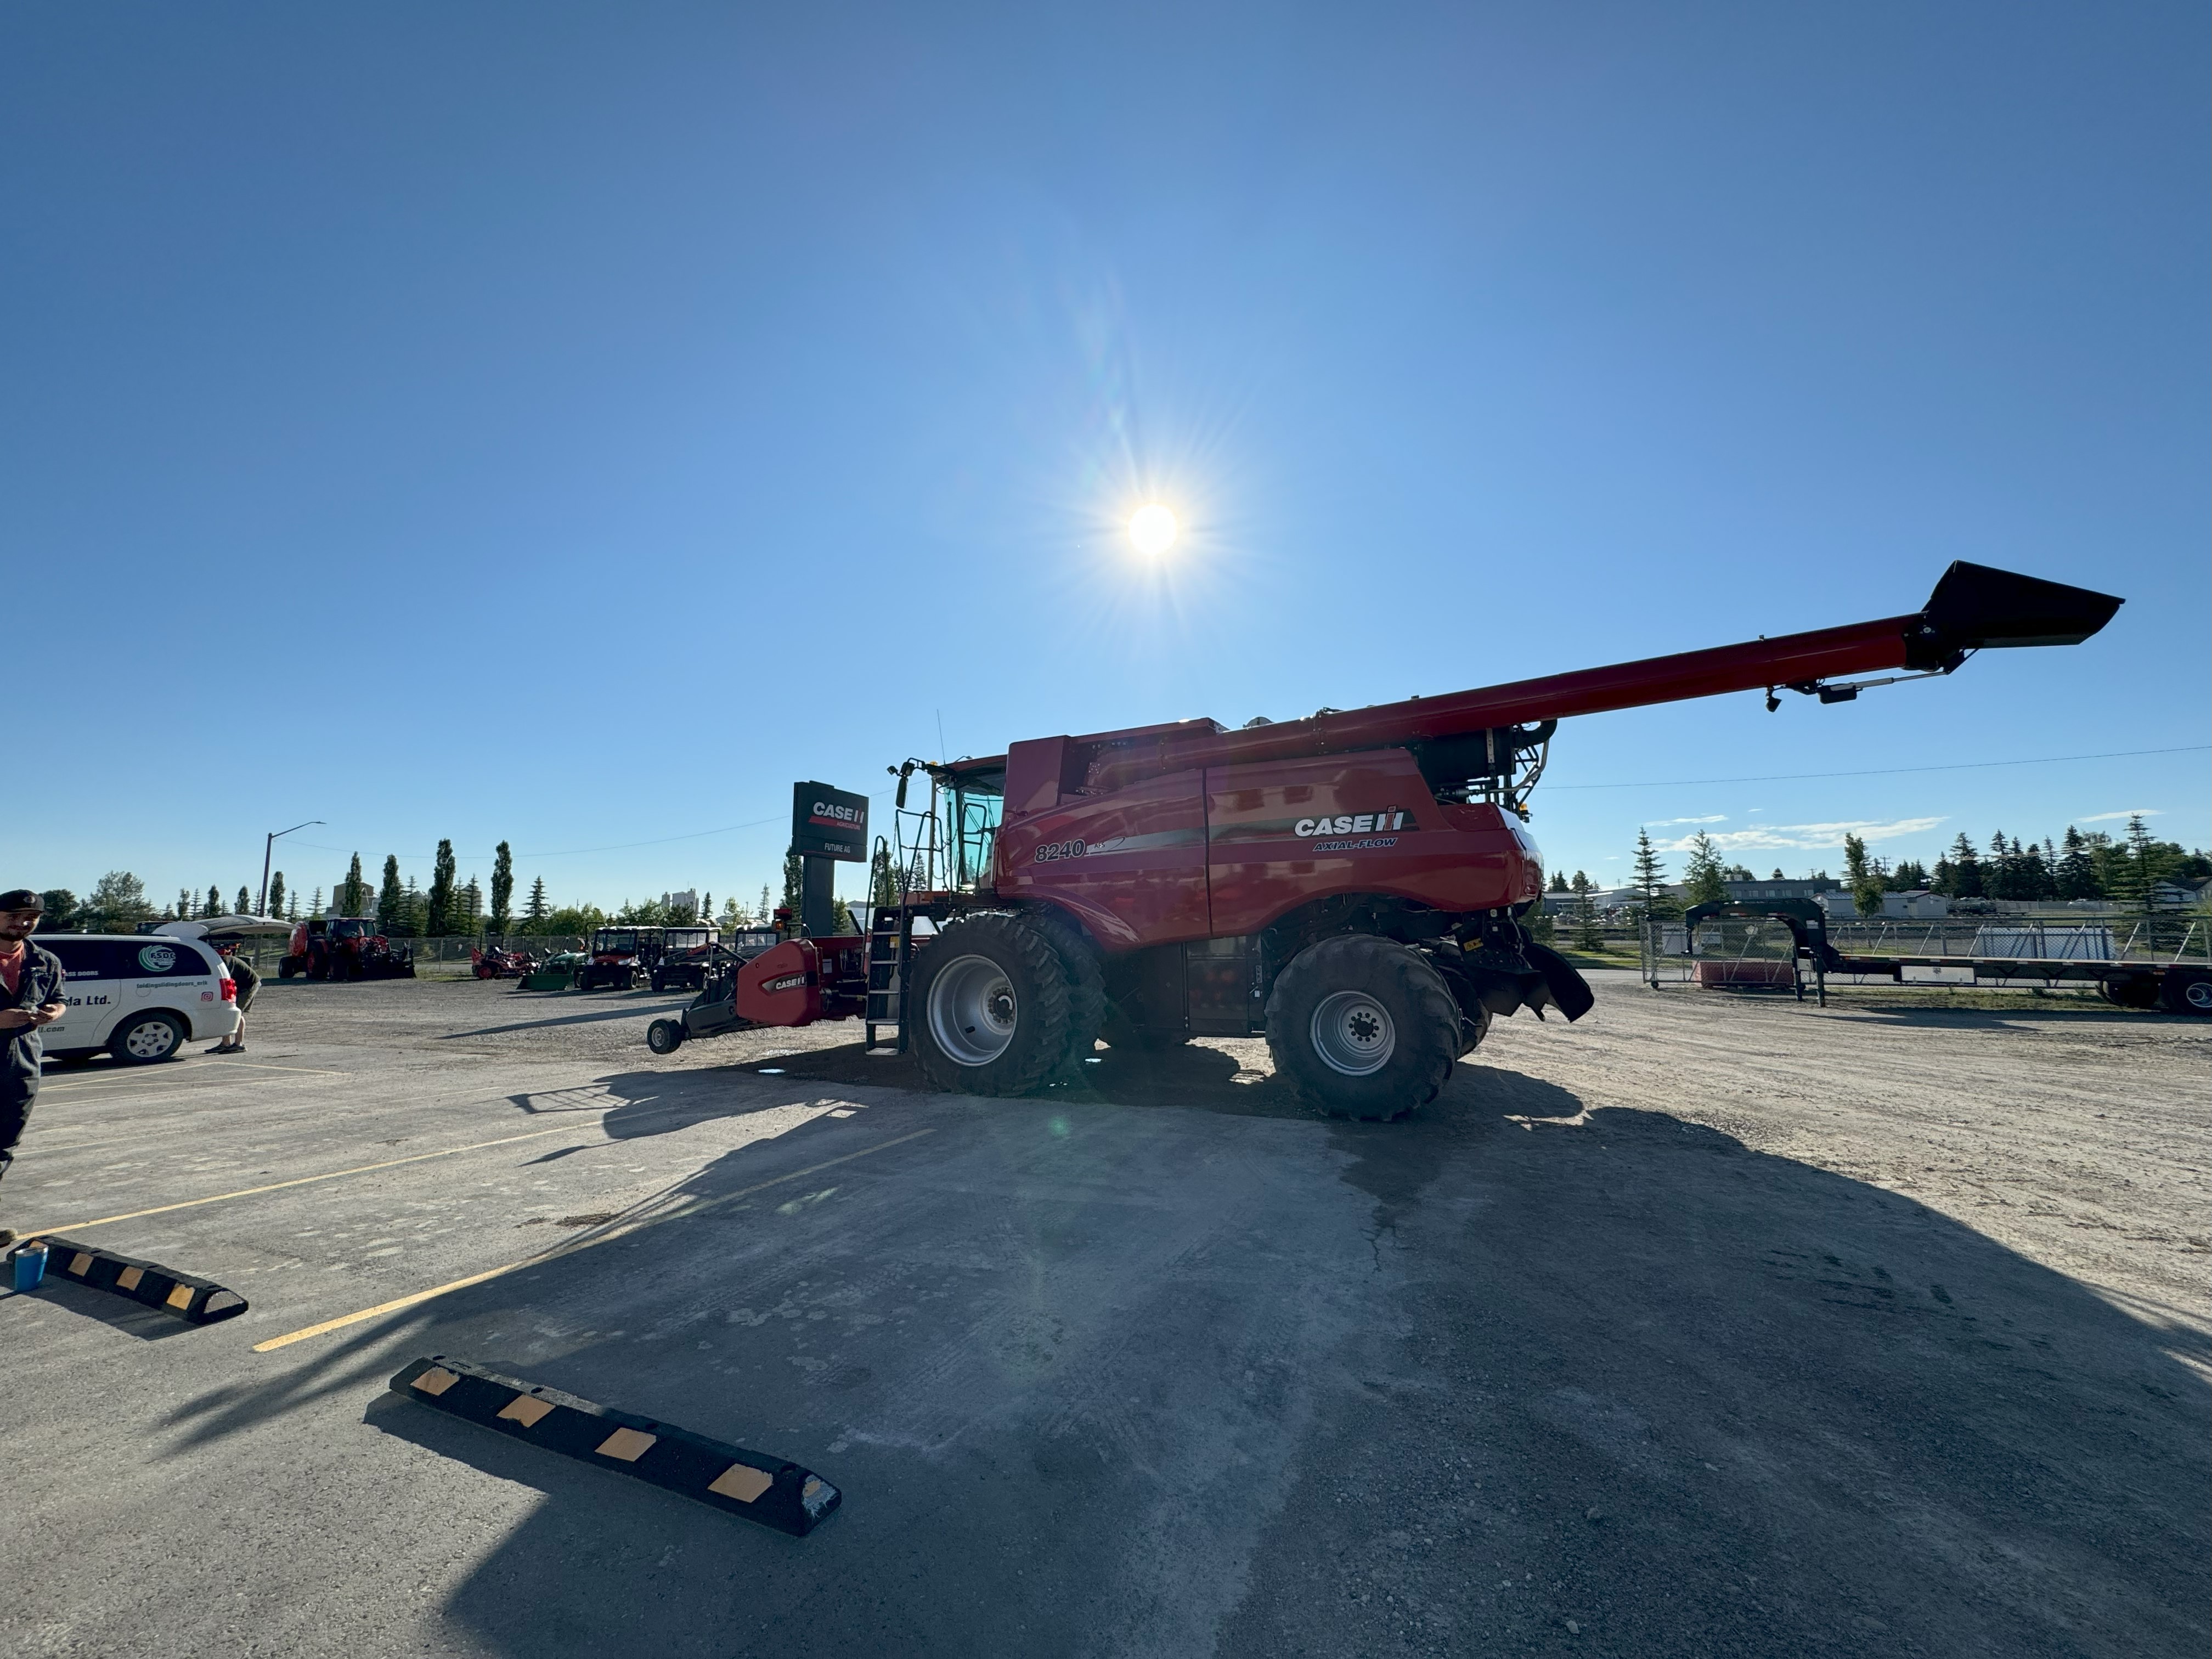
[
  {"x": 1362, "y": 1027},
  {"x": 993, "y": 1001}
]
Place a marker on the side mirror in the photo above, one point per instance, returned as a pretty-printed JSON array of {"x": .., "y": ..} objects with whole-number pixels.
[{"x": 898, "y": 798}]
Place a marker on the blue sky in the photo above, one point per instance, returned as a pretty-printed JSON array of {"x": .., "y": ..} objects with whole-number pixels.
[{"x": 572, "y": 424}]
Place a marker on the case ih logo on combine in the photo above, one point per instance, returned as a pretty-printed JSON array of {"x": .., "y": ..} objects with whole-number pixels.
[
  {"x": 789, "y": 983},
  {"x": 1353, "y": 824}
]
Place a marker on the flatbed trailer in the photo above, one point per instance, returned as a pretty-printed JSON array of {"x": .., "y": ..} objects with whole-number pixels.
[{"x": 2167, "y": 967}]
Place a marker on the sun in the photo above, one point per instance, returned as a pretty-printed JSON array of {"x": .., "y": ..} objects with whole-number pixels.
[{"x": 1154, "y": 530}]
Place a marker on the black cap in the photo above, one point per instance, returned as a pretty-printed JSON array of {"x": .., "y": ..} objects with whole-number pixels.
[{"x": 21, "y": 898}]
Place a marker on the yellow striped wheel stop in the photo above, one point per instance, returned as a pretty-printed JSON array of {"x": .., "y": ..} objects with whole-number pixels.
[
  {"x": 196, "y": 1301},
  {"x": 749, "y": 1483}
]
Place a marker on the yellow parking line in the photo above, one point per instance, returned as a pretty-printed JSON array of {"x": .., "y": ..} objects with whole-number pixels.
[{"x": 558, "y": 1250}]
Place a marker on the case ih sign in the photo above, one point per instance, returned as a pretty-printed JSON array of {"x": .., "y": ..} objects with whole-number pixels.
[{"x": 828, "y": 823}]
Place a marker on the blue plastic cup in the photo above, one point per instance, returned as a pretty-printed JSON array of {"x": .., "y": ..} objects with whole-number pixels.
[{"x": 30, "y": 1267}]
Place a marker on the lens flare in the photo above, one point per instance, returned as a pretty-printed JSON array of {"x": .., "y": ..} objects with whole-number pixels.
[{"x": 1153, "y": 530}]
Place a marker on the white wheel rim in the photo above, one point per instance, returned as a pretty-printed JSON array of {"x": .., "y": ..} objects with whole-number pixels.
[
  {"x": 151, "y": 1040},
  {"x": 972, "y": 1010},
  {"x": 1353, "y": 1034}
]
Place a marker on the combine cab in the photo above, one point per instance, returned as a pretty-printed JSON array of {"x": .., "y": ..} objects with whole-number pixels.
[
  {"x": 1352, "y": 886},
  {"x": 343, "y": 947}
]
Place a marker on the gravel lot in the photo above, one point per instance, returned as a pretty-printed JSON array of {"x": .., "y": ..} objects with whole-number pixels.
[{"x": 1712, "y": 1325}]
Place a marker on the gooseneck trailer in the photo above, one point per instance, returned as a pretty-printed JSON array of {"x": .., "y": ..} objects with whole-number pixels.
[{"x": 1350, "y": 885}]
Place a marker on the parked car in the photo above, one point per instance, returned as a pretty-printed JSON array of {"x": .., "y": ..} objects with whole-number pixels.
[{"x": 140, "y": 996}]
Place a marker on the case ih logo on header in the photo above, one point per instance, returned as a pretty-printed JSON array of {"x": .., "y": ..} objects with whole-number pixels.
[{"x": 828, "y": 824}]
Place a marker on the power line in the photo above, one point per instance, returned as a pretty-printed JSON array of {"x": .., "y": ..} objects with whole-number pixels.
[{"x": 1890, "y": 771}]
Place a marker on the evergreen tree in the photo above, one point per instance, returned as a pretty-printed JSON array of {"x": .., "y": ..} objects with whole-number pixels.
[
  {"x": 440, "y": 921},
  {"x": 794, "y": 884},
  {"x": 391, "y": 899},
  {"x": 414, "y": 910},
  {"x": 276, "y": 894},
  {"x": 315, "y": 904},
  {"x": 1910, "y": 875},
  {"x": 883, "y": 877},
  {"x": 1589, "y": 936},
  {"x": 536, "y": 910},
  {"x": 767, "y": 914},
  {"x": 60, "y": 909},
  {"x": 212, "y": 904},
  {"x": 1559, "y": 883},
  {"x": 502, "y": 887},
  {"x": 468, "y": 907},
  {"x": 352, "y": 896},
  {"x": 706, "y": 905},
  {"x": 244, "y": 902},
  {"x": 184, "y": 904},
  {"x": 2145, "y": 864},
  {"x": 1650, "y": 877},
  {"x": 1966, "y": 870},
  {"x": 1702, "y": 872}
]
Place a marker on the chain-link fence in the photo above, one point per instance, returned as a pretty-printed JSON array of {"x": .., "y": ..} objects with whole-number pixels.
[{"x": 435, "y": 958}]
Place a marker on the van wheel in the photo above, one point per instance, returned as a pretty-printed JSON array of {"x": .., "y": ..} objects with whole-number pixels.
[
  {"x": 1363, "y": 1027},
  {"x": 993, "y": 999},
  {"x": 145, "y": 1038}
]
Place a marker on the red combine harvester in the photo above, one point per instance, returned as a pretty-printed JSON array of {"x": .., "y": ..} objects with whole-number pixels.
[{"x": 1351, "y": 886}]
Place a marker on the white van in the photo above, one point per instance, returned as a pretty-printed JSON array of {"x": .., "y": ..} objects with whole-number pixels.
[{"x": 140, "y": 996}]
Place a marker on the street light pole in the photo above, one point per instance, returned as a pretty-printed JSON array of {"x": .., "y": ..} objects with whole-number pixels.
[{"x": 267, "y": 848}]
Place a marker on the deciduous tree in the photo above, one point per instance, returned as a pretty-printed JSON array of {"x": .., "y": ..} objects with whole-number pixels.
[
  {"x": 502, "y": 887},
  {"x": 439, "y": 922}
]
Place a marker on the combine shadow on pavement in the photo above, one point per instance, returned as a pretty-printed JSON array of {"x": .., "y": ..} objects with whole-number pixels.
[
  {"x": 117, "y": 1312},
  {"x": 643, "y": 1010},
  {"x": 1098, "y": 1379}
]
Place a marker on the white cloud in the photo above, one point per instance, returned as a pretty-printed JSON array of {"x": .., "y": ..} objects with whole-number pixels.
[
  {"x": 2130, "y": 812},
  {"x": 1811, "y": 837},
  {"x": 1710, "y": 817}
]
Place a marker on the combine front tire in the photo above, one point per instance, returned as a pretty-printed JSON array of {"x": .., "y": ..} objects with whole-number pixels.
[
  {"x": 1363, "y": 1027},
  {"x": 994, "y": 1005}
]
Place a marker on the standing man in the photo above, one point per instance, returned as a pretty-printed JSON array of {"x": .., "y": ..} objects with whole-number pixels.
[
  {"x": 248, "y": 981},
  {"x": 30, "y": 997}
]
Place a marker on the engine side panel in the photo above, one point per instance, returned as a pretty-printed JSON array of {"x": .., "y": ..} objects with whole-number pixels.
[
  {"x": 1282, "y": 833},
  {"x": 1131, "y": 864}
]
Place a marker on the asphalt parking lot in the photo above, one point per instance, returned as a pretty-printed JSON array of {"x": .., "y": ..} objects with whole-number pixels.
[{"x": 1712, "y": 1325}]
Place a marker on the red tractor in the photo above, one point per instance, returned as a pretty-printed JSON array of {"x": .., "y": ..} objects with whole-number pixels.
[
  {"x": 343, "y": 947},
  {"x": 501, "y": 964},
  {"x": 1351, "y": 886}
]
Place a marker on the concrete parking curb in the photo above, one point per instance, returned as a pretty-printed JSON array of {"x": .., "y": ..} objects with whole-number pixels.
[
  {"x": 751, "y": 1484},
  {"x": 194, "y": 1300}
]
